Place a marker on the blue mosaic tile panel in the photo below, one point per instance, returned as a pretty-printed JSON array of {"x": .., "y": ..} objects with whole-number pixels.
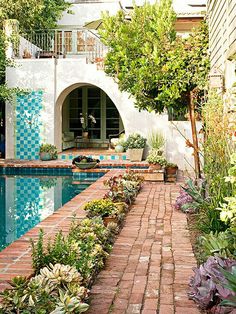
[{"x": 28, "y": 125}]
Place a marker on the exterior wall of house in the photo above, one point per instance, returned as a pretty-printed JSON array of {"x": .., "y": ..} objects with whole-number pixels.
[
  {"x": 49, "y": 81},
  {"x": 222, "y": 34}
]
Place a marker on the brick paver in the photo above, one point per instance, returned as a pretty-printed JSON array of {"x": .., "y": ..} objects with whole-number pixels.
[{"x": 151, "y": 262}]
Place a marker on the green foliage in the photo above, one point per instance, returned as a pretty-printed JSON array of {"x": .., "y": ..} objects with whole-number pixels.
[
  {"x": 147, "y": 59},
  {"x": 231, "y": 285},
  {"x": 221, "y": 244},
  {"x": 49, "y": 148},
  {"x": 33, "y": 14},
  {"x": 85, "y": 247},
  {"x": 216, "y": 149},
  {"x": 171, "y": 165},
  {"x": 156, "y": 140},
  {"x": 135, "y": 140},
  {"x": 228, "y": 207},
  {"x": 154, "y": 157},
  {"x": 103, "y": 208},
  {"x": 57, "y": 287}
]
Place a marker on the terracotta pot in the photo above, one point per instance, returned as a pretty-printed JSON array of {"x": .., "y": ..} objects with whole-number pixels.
[
  {"x": 171, "y": 170},
  {"x": 107, "y": 220},
  {"x": 155, "y": 167}
]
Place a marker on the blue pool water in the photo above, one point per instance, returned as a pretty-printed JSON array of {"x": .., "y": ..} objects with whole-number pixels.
[{"x": 32, "y": 195}]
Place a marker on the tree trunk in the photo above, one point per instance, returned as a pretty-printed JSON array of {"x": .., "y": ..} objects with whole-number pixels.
[{"x": 194, "y": 135}]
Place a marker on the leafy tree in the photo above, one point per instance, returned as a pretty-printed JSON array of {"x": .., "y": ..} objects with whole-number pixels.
[
  {"x": 32, "y": 15},
  {"x": 148, "y": 59}
]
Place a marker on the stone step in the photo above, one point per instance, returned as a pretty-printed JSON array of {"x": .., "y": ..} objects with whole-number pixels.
[{"x": 113, "y": 157}]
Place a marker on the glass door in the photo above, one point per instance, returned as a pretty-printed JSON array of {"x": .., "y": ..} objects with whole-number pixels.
[
  {"x": 94, "y": 111},
  {"x": 112, "y": 118}
]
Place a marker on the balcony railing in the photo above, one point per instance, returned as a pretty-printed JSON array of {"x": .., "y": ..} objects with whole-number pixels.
[{"x": 79, "y": 43}]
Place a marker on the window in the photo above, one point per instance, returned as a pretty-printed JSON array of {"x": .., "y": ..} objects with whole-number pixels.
[{"x": 93, "y": 101}]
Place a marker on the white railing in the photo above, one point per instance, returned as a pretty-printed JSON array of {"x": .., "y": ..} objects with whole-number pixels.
[{"x": 62, "y": 44}]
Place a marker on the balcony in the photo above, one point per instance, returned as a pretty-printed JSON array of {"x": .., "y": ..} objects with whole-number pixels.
[{"x": 76, "y": 43}]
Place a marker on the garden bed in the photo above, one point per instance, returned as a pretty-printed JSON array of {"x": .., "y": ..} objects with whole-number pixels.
[{"x": 57, "y": 283}]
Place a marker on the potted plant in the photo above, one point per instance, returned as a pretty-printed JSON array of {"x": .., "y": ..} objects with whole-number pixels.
[
  {"x": 84, "y": 123},
  {"x": 155, "y": 160},
  {"x": 120, "y": 146},
  {"x": 171, "y": 168},
  {"x": 84, "y": 162},
  {"x": 48, "y": 152},
  {"x": 104, "y": 208},
  {"x": 171, "y": 172},
  {"x": 156, "y": 140},
  {"x": 135, "y": 145}
]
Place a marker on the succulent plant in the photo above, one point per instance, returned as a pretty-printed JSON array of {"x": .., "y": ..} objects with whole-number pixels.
[
  {"x": 182, "y": 200},
  {"x": 101, "y": 207},
  {"x": 69, "y": 304},
  {"x": 57, "y": 287},
  {"x": 208, "y": 285}
]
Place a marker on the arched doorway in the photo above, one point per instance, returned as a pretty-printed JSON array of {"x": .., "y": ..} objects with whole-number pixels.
[{"x": 89, "y": 108}]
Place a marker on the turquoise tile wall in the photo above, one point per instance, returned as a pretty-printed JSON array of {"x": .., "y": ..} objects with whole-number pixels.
[{"x": 28, "y": 125}]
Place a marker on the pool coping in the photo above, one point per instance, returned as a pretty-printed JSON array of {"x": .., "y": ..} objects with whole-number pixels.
[{"x": 16, "y": 260}]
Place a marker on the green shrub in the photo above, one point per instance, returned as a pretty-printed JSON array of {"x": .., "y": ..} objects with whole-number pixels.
[
  {"x": 222, "y": 244},
  {"x": 85, "y": 247},
  {"x": 103, "y": 208},
  {"x": 216, "y": 148}
]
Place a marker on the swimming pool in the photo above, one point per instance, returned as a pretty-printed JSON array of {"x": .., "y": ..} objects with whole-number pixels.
[{"x": 32, "y": 195}]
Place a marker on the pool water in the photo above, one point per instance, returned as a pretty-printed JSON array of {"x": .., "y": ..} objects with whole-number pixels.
[{"x": 25, "y": 200}]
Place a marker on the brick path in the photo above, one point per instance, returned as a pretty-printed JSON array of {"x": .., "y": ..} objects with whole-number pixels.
[{"x": 151, "y": 261}]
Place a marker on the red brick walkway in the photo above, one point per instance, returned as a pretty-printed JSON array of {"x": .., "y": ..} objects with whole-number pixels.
[{"x": 151, "y": 262}]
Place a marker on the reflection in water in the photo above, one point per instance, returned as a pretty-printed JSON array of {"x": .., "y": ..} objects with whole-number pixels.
[{"x": 27, "y": 200}]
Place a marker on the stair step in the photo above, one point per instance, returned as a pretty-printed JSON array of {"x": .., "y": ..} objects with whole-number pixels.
[{"x": 100, "y": 157}]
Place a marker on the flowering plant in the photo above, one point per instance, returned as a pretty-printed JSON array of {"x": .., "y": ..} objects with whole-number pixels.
[
  {"x": 184, "y": 201},
  {"x": 84, "y": 121}
]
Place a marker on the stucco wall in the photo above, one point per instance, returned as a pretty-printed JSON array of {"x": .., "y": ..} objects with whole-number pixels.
[{"x": 57, "y": 78}]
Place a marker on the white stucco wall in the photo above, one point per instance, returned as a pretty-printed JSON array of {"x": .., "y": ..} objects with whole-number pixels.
[{"x": 57, "y": 78}]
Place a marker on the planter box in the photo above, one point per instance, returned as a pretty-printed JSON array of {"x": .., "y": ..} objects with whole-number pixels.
[{"x": 135, "y": 154}]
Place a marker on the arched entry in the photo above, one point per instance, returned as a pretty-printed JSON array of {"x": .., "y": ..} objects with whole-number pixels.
[{"x": 89, "y": 108}]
